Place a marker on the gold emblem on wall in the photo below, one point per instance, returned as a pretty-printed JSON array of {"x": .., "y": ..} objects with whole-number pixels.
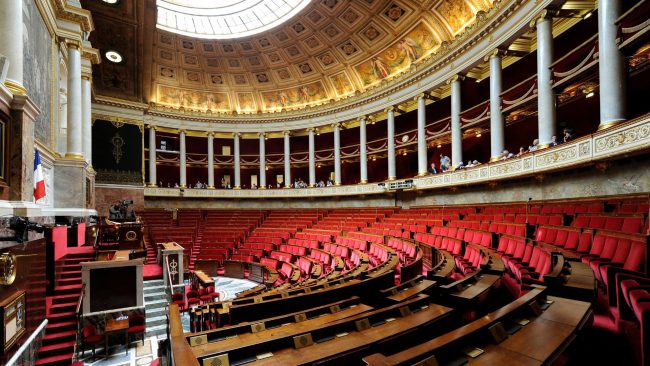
[
  {"x": 131, "y": 235},
  {"x": 7, "y": 269},
  {"x": 118, "y": 143}
]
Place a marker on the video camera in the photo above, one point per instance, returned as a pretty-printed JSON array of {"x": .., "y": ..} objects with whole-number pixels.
[{"x": 21, "y": 226}]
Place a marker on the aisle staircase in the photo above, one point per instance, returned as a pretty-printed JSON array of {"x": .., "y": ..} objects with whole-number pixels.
[
  {"x": 155, "y": 306},
  {"x": 60, "y": 335}
]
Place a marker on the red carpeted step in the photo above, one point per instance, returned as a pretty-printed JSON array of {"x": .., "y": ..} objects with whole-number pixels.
[
  {"x": 68, "y": 274},
  {"x": 62, "y": 299},
  {"x": 56, "y": 327},
  {"x": 62, "y": 308},
  {"x": 54, "y": 338},
  {"x": 62, "y": 317},
  {"x": 56, "y": 360},
  {"x": 60, "y": 348},
  {"x": 68, "y": 281},
  {"x": 68, "y": 289}
]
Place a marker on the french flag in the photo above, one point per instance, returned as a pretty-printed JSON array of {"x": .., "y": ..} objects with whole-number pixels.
[{"x": 39, "y": 180}]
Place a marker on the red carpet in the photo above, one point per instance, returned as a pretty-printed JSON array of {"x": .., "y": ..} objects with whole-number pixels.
[{"x": 152, "y": 272}]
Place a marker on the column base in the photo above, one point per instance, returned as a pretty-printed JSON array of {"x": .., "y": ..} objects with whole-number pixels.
[
  {"x": 609, "y": 124},
  {"x": 262, "y": 187},
  {"x": 495, "y": 158},
  {"x": 236, "y": 187},
  {"x": 152, "y": 185},
  {"x": 183, "y": 186},
  {"x": 74, "y": 156},
  {"x": 422, "y": 174},
  {"x": 311, "y": 185},
  {"x": 391, "y": 179},
  {"x": 211, "y": 187},
  {"x": 287, "y": 187},
  {"x": 337, "y": 183},
  {"x": 363, "y": 181},
  {"x": 543, "y": 146}
]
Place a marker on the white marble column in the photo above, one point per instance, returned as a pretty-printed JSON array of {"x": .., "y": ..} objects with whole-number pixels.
[
  {"x": 237, "y": 160},
  {"x": 152, "y": 157},
  {"x": 75, "y": 148},
  {"x": 183, "y": 165},
  {"x": 287, "y": 159},
  {"x": 11, "y": 43},
  {"x": 456, "y": 131},
  {"x": 262, "y": 181},
  {"x": 312, "y": 158},
  {"x": 611, "y": 65},
  {"x": 422, "y": 135},
  {"x": 210, "y": 160},
  {"x": 363, "y": 152},
  {"x": 86, "y": 120},
  {"x": 497, "y": 139},
  {"x": 390, "y": 139},
  {"x": 337, "y": 154},
  {"x": 545, "y": 94}
]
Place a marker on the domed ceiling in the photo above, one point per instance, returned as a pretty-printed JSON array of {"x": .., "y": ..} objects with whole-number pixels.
[{"x": 329, "y": 50}]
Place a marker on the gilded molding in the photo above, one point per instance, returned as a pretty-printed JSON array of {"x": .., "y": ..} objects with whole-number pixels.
[{"x": 106, "y": 117}]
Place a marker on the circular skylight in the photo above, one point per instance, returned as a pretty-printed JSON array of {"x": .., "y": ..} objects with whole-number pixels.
[{"x": 225, "y": 19}]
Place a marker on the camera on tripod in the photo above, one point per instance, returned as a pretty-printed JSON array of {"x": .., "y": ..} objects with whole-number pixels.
[{"x": 21, "y": 227}]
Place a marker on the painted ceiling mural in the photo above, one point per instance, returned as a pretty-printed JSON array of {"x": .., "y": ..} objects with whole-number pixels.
[{"x": 330, "y": 50}]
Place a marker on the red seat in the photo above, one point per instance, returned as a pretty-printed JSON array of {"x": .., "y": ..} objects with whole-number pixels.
[
  {"x": 90, "y": 338},
  {"x": 136, "y": 326}
]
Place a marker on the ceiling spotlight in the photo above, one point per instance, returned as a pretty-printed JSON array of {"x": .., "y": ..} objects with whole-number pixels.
[
  {"x": 587, "y": 15},
  {"x": 589, "y": 95},
  {"x": 439, "y": 146},
  {"x": 374, "y": 158},
  {"x": 478, "y": 134},
  {"x": 112, "y": 2},
  {"x": 404, "y": 153},
  {"x": 266, "y": 168},
  {"x": 113, "y": 56}
]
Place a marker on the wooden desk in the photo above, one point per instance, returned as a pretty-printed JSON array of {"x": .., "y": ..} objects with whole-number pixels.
[
  {"x": 482, "y": 284},
  {"x": 204, "y": 279},
  {"x": 412, "y": 291},
  {"x": 357, "y": 344},
  {"x": 171, "y": 246},
  {"x": 115, "y": 327},
  {"x": 540, "y": 340},
  {"x": 121, "y": 255}
]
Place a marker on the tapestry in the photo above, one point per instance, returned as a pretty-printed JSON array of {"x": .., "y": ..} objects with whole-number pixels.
[
  {"x": 117, "y": 152},
  {"x": 37, "y": 76}
]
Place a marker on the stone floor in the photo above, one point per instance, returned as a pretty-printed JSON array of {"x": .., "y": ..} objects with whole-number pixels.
[{"x": 138, "y": 355}]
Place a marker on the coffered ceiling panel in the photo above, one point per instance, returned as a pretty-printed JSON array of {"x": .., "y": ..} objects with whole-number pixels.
[{"x": 329, "y": 50}]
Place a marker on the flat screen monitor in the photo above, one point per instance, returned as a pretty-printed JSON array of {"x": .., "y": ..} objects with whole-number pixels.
[{"x": 113, "y": 288}]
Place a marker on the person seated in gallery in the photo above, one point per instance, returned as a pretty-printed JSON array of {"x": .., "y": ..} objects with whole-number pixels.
[
  {"x": 568, "y": 134},
  {"x": 472, "y": 163},
  {"x": 432, "y": 169},
  {"x": 176, "y": 185},
  {"x": 330, "y": 182},
  {"x": 505, "y": 155},
  {"x": 521, "y": 152},
  {"x": 553, "y": 141},
  {"x": 253, "y": 186},
  {"x": 320, "y": 184},
  {"x": 278, "y": 185},
  {"x": 223, "y": 182},
  {"x": 534, "y": 146},
  {"x": 460, "y": 165}
]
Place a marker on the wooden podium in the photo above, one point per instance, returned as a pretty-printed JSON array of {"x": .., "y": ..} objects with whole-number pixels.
[{"x": 172, "y": 253}]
